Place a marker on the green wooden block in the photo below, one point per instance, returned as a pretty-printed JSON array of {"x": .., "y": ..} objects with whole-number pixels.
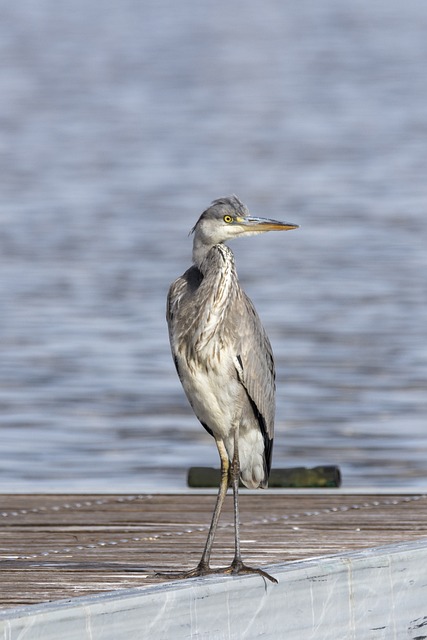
[{"x": 296, "y": 477}]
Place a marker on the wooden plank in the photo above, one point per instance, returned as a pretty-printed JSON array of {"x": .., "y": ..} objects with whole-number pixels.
[{"x": 62, "y": 546}]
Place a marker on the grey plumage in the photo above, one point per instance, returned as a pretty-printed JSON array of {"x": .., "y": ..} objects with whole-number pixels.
[{"x": 223, "y": 355}]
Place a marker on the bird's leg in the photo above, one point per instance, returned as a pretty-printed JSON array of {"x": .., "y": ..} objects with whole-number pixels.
[
  {"x": 225, "y": 464},
  {"x": 237, "y": 565},
  {"x": 203, "y": 567},
  {"x": 235, "y": 475}
]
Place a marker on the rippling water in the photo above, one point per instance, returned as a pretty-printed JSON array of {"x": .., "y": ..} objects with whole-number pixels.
[{"x": 119, "y": 123}]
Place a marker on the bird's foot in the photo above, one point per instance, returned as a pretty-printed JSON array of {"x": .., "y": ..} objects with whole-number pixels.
[{"x": 236, "y": 567}]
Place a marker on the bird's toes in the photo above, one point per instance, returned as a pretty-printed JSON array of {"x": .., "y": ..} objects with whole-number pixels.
[{"x": 237, "y": 567}]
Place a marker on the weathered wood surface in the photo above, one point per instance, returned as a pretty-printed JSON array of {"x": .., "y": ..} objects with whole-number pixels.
[{"x": 60, "y": 546}]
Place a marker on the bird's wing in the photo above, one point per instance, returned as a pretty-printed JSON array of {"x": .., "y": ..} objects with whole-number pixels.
[
  {"x": 256, "y": 367},
  {"x": 175, "y": 293}
]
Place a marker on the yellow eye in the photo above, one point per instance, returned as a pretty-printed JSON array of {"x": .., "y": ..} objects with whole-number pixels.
[{"x": 228, "y": 219}]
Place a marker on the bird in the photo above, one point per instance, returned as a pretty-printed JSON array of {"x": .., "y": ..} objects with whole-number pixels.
[{"x": 225, "y": 363}]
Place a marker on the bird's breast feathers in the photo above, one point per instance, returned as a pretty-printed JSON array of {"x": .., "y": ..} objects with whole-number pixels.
[{"x": 201, "y": 314}]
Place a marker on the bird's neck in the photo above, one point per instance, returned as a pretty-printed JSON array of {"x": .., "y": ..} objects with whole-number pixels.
[
  {"x": 217, "y": 291},
  {"x": 214, "y": 258},
  {"x": 200, "y": 252}
]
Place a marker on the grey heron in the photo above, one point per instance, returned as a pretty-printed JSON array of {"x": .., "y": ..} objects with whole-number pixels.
[{"x": 224, "y": 360}]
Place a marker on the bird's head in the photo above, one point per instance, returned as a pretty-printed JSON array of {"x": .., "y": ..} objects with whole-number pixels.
[{"x": 229, "y": 218}]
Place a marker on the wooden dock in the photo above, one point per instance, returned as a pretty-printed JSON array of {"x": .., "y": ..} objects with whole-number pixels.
[{"x": 56, "y": 547}]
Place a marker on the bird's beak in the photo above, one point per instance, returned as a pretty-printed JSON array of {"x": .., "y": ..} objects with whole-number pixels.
[{"x": 265, "y": 224}]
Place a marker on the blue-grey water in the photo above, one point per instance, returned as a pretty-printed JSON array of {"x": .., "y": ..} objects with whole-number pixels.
[{"x": 119, "y": 123}]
